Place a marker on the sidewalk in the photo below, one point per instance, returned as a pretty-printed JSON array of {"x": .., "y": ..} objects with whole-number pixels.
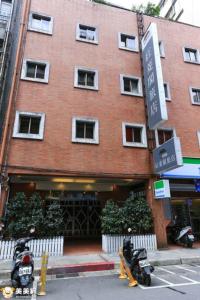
[{"x": 74, "y": 264}]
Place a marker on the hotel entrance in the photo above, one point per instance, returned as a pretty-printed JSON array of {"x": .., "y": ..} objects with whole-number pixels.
[{"x": 81, "y": 201}]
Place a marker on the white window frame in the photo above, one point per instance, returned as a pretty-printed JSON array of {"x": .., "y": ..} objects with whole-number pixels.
[
  {"x": 32, "y": 28},
  {"x": 96, "y": 35},
  {"x": 96, "y": 78},
  {"x": 198, "y": 136},
  {"x": 191, "y": 61},
  {"x": 168, "y": 91},
  {"x": 82, "y": 140},
  {"x": 36, "y": 61},
  {"x": 191, "y": 94},
  {"x": 143, "y": 135},
  {"x": 136, "y": 49},
  {"x": 165, "y": 129},
  {"x": 161, "y": 49},
  {"x": 123, "y": 92},
  {"x": 17, "y": 134}
]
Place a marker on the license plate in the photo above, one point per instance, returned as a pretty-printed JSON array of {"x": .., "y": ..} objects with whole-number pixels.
[
  {"x": 25, "y": 271},
  {"x": 144, "y": 263},
  {"x": 191, "y": 236}
]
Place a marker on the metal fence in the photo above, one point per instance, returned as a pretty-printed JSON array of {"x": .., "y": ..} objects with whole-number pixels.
[
  {"x": 53, "y": 246},
  {"x": 112, "y": 243}
]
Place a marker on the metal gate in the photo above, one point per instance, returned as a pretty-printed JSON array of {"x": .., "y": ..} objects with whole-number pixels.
[{"x": 81, "y": 211}]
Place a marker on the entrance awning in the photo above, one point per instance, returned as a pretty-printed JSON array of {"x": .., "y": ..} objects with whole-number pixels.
[{"x": 190, "y": 169}]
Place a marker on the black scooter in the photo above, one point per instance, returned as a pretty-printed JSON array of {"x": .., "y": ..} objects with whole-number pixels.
[
  {"x": 23, "y": 264},
  {"x": 137, "y": 262}
]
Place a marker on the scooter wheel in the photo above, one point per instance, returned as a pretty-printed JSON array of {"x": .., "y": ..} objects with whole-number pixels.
[
  {"x": 189, "y": 244},
  {"x": 147, "y": 280}
]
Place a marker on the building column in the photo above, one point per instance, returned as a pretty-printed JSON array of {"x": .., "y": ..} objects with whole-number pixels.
[{"x": 160, "y": 222}]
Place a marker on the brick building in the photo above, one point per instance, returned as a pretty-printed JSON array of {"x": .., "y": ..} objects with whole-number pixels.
[{"x": 77, "y": 124}]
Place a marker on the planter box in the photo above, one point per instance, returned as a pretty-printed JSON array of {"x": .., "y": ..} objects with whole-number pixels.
[
  {"x": 111, "y": 243},
  {"x": 53, "y": 246}
]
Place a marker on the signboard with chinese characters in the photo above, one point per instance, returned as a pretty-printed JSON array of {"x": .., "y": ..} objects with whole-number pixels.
[
  {"x": 168, "y": 156},
  {"x": 153, "y": 79},
  {"x": 162, "y": 189}
]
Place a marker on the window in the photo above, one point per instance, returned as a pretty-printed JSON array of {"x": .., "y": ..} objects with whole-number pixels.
[
  {"x": 86, "y": 33},
  {"x": 191, "y": 55},
  {"x": 35, "y": 70},
  {"x": 85, "y": 130},
  {"x": 134, "y": 135},
  {"x": 29, "y": 125},
  {"x": 161, "y": 49},
  {"x": 167, "y": 91},
  {"x": 6, "y": 8},
  {"x": 86, "y": 78},
  {"x": 130, "y": 85},
  {"x": 40, "y": 23},
  {"x": 198, "y": 136},
  {"x": 128, "y": 42},
  {"x": 195, "y": 95},
  {"x": 163, "y": 134}
]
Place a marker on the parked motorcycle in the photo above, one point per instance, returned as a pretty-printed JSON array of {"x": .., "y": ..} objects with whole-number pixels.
[
  {"x": 137, "y": 262},
  {"x": 185, "y": 236},
  {"x": 23, "y": 264}
]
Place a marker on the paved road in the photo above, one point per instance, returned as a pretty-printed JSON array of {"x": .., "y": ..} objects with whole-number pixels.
[{"x": 178, "y": 282}]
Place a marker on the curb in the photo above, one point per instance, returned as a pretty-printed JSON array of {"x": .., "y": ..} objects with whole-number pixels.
[{"x": 74, "y": 269}]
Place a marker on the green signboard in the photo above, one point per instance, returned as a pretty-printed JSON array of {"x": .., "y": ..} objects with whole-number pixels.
[{"x": 162, "y": 189}]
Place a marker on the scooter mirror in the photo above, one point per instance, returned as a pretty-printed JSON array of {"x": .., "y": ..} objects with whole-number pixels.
[{"x": 32, "y": 230}]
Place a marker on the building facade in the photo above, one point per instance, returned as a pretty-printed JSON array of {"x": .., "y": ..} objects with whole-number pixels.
[
  {"x": 77, "y": 121},
  {"x": 181, "y": 10}
]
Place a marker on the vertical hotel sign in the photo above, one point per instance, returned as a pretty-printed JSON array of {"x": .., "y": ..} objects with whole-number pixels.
[{"x": 155, "y": 95}]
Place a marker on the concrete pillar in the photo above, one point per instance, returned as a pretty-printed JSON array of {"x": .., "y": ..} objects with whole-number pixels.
[{"x": 160, "y": 223}]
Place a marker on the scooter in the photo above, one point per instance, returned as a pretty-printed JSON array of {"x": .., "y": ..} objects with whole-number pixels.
[
  {"x": 185, "y": 236},
  {"x": 137, "y": 262},
  {"x": 23, "y": 264}
]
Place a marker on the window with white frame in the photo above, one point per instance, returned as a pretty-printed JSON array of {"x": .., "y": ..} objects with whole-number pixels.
[
  {"x": 86, "y": 78},
  {"x": 86, "y": 33},
  {"x": 85, "y": 130},
  {"x": 127, "y": 42},
  {"x": 40, "y": 23},
  {"x": 167, "y": 91},
  {"x": 35, "y": 70},
  {"x": 130, "y": 85},
  {"x": 134, "y": 135},
  {"x": 195, "y": 95},
  {"x": 164, "y": 134},
  {"x": 161, "y": 49},
  {"x": 198, "y": 136},
  {"x": 191, "y": 55},
  {"x": 29, "y": 125}
]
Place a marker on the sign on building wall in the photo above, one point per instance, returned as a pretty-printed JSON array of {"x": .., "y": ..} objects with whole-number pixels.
[
  {"x": 162, "y": 189},
  {"x": 168, "y": 156},
  {"x": 154, "y": 88}
]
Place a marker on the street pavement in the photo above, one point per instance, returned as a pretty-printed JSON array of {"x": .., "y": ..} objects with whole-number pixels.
[
  {"x": 176, "y": 256},
  {"x": 180, "y": 282}
]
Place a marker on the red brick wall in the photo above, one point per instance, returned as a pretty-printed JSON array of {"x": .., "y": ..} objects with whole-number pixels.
[
  {"x": 183, "y": 115},
  {"x": 60, "y": 101}
]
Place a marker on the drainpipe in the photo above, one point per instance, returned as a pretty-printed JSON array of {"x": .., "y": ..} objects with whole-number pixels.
[{"x": 8, "y": 121}]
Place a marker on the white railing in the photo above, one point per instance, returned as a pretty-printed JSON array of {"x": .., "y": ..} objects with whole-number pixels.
[
  {"x": 111, "y": 243},
  {"x": 53, "y": 246}
]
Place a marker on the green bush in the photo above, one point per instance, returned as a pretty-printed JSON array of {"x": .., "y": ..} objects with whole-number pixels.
[
  {"x": 111, "y": 219},
  {"x": 134, "y": 214},
  {"x": 22, "y": 214}
]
